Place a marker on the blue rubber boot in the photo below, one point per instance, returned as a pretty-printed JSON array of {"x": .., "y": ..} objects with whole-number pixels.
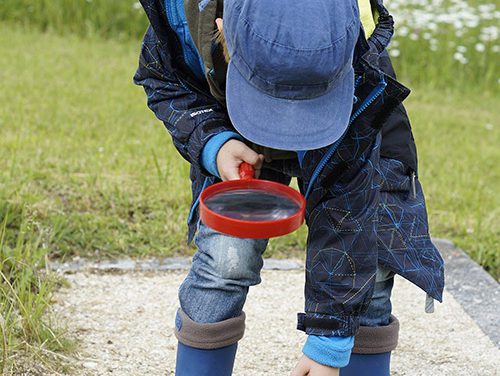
[
  {"x": 368, "y": 365},
  {"x": 371, "y": 355},
  {"x": 199, "y": 362}
]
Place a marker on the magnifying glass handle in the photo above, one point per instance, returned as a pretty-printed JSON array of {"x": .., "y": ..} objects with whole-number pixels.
[{"x": 247, "y": 171}]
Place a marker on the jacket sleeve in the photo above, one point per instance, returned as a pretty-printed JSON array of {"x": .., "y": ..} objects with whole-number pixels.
[{"x": 191, "y": 116}]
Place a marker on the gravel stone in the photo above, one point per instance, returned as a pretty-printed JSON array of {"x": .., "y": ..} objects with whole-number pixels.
[{"x": 124, "y": 323}]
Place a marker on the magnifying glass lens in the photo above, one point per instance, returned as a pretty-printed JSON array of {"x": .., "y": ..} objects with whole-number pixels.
[{"x": 252, "y": 205}]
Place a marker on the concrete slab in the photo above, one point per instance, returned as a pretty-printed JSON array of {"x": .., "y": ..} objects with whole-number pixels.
[{"x": 476, "y": 291}]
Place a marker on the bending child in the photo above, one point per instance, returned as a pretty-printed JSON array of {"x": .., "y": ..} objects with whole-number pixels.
[{"x": 297, "y": 90}]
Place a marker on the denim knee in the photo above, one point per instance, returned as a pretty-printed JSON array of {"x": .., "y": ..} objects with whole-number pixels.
[
  {"x": 229, "y": 258},
  {"x": 223, "y": 268}
]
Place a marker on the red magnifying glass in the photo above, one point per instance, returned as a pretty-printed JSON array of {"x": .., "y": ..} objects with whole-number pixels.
[{"x": 252, "y": 208}]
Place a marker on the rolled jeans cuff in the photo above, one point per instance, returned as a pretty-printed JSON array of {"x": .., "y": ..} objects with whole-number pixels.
[{"x": 208, "y": 336}]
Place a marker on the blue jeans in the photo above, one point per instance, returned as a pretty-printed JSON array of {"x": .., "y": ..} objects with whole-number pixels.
[{"x": 224, "y": 267}]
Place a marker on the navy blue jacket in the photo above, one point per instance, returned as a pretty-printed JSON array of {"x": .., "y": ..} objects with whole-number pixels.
[{"x": 364, "y": 203}]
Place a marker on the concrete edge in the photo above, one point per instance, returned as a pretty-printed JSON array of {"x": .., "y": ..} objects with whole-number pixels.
[
  {"x": 77, "y": 265},
  {"x": 475, "y": 290}
]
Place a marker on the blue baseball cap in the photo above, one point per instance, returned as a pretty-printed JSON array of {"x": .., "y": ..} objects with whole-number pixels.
[{"x": 290, "y": 81}]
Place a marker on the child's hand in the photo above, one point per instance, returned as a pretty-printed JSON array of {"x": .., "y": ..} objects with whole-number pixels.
[
  {"x": 308, "y": 367},
  {"x": 232, "y": 154}
]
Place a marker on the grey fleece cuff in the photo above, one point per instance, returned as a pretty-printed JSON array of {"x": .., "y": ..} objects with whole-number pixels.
[
  {"x": 208, "y": 335},
  {"x": 377, "y": 339}
]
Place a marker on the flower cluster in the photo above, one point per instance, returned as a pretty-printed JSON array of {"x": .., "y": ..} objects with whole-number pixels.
[{"x": 455, "y": 25}]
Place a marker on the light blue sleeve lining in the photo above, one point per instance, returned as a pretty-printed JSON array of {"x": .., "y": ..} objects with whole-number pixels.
[
  {"x": 329, "y": 351},
  {"x": 212, "y": 147}
]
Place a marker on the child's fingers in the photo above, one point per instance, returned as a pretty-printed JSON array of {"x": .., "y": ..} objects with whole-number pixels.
[
  {"x": 250, "y": 156},
  {"x": 258, "y": 166},
  {"x": 230, "y": 172},
  {"x": 219, "y": 23},
  {"x": 230, "y": 157},
  {"x": 301, "y": 369}
]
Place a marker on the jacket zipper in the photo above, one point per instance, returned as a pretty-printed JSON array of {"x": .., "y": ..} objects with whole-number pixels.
[
  {"x": 374, "y": 94},
  {"x": 413, "y": 186}
]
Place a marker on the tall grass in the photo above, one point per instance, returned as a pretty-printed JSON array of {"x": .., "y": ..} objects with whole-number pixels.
[
  {"x": 28, "y": 338},
  {"x": 106, "y": 18},
  {"x": 445, "y": 44}
]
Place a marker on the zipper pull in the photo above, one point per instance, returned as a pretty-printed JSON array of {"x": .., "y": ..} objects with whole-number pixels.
[{"x": 413, "y": 185}]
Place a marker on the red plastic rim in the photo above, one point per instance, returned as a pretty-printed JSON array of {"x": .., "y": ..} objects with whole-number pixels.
[{"x": 252, "y": 229}]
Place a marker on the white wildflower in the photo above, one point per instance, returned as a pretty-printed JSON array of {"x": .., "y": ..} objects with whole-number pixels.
[
  {"x": 460, "y": 58},
  {"x": 403, "y": 31},
  {"x": 480, "y": 47},
  {"x": 394, "y": 52},
  {"x": 432, "y": 26},
  {"x": 489, "y": 33}
]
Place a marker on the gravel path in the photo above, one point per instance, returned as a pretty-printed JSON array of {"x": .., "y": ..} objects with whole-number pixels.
[{"x": 125, "y": 325}]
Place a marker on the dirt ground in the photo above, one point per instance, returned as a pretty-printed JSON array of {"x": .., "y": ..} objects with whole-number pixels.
[{"x": 125, "y": 325}]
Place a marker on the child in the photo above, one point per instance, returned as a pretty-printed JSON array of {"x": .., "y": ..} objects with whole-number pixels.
[{"x": 301, "y": 93}]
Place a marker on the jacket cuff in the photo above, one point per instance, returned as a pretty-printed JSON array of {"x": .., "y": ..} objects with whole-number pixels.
[
  {"x": 203, "y": 131},
  {"x": 212, "y": 147},
  {"x": 329, "y": 351},
  {"x": 328, "y": 325}
]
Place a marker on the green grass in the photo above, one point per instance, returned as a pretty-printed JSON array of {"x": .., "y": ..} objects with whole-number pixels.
[
  {"x": 29, "y": 339},
  {"x": 428, "y": 34},
  {"x": 123, "y": 19},
  {"x": 457, "y": 137},
  {"x": 92, "y": 166},
  {"x": 449, "y": 44},
  {"x": 86, "y": 169},
  {"x": 99, "y": 177}
]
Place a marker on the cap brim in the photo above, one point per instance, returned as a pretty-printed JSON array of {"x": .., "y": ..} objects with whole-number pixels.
[{"x": 289, "y": 124}]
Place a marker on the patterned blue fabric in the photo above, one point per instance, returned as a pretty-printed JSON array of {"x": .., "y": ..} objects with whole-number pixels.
[
  {"x": 404, "y": 244},
  {"x": 359, "y": 211}
]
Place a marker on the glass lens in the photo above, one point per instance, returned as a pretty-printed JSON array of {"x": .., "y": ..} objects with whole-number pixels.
[{"x": 252, "y": 205}]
